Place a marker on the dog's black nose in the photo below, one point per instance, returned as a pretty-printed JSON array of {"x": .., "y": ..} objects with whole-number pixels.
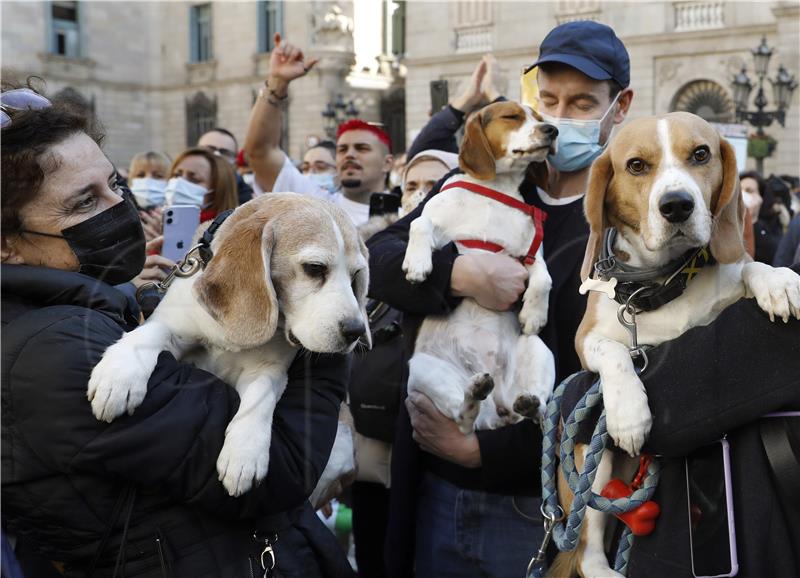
[
  {"x": 352, "y": 329},
  {"x": 676, "y": 206},
  {"x": 549, "y": 130}
]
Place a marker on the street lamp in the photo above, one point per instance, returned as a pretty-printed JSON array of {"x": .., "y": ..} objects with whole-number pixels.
[
  {"x": 782, "y": 87},
  {"x": 336, "y": 112}
]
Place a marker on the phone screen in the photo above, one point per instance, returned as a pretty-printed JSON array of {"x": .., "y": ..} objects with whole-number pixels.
[
  {"x": 383, "y": 203},
  {"x": 711, "y": 531}
]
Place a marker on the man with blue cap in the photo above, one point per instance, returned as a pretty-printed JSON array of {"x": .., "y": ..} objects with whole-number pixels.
[{"x": 468, "y": 505}]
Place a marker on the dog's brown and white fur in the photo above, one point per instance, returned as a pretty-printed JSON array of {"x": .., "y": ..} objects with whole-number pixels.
[
  {"x": 288, "y": 271},
  {"x": 648, "y": 159},
  {"x": 458, "y": 359}
]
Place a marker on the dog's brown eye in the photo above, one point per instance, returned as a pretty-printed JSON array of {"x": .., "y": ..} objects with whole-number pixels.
[
  {"x": 701, "y": 154},
  {"x": 636, "y": 166},
  {"x": 315, "y": 270}
]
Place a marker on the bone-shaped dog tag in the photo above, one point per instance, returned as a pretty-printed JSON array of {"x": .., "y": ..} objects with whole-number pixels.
[{"x": 606, "y": 287}]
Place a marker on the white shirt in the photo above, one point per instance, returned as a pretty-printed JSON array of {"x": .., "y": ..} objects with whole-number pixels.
[
  {"x": 292, "y": 180},
  {"x": 548, "y": 200}
]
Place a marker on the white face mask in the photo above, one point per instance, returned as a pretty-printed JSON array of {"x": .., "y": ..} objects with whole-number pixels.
[
  {"x": 179, "y": 191},
  {"x": 148, "y": 192}
]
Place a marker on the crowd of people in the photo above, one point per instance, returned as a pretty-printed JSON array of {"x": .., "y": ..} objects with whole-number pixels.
[{"x": 140, "y": 496}]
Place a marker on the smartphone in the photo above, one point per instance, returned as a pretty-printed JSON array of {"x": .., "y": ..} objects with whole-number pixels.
[
  {"x": 712, "y": 535},
  {"x": 180, "y": 224},
  {"x": 439, "y": 95},
  {"x": 383, "y": 203}
]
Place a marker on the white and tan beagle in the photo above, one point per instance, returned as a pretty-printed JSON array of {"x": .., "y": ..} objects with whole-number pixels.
[
  {"x": 288, "y": 271},
  {"x": 669, "y": 189},
  {"x": 460, "y": 359}
]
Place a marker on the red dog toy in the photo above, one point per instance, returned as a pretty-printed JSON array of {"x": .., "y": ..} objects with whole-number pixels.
[{"x": 642, "y": 520}]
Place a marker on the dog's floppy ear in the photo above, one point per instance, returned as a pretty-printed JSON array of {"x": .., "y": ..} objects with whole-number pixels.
[
  {"x": 361, "y": 289},
  {"x": 236, "y": 288},
  {"x": 727, "y": 235},
  {"x": 475, "y": 157},
  {"x": 599, "y": 179},
  {"x": 538, "y": 174}
]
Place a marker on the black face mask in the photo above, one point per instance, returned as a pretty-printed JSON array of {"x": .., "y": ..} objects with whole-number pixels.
[{"x": 109, "y": 246}]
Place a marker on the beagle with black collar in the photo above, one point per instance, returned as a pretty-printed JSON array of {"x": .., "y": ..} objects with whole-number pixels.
[
  {"x": 288, "y": 271},
  {"x": 666, "y": 224},
  {"x": 460, "y": 359}
]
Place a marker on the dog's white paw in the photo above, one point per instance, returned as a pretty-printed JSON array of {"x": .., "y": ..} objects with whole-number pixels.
[
  {"x": 533, "y": 316},
  {"x": 118, "y": 383},
  {"x": 417, "y": 268},
  {"x": 243, "y": 461},
  {"x": 776, "y": 289},
  {"x": 628, "y": 419}
]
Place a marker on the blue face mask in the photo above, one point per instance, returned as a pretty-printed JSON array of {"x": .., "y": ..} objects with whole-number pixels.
[
  {"x": 324, "y": 180},
  {"x": 578, "y": 142}
]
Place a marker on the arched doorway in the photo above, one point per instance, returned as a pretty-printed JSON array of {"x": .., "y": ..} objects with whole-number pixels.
[{"x": 706, "y": 99}]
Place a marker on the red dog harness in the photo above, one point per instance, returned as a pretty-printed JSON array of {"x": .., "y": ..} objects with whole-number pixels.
[{"x": 538, "y": 216}]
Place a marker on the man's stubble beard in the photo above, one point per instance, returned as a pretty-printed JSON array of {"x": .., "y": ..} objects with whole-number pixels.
[{"x": 351, "y": 183}]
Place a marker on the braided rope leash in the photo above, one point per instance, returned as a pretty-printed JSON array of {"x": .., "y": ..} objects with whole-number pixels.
[{"x": 566, "y": 534}]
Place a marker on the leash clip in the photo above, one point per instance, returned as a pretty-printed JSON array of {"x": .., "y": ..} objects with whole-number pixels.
[
  {"x": 635, "y": 350},
  {"x": 267, "y": 557},
  {"x": 184, "y": 268},
  {"x": 537, "y": 566}
]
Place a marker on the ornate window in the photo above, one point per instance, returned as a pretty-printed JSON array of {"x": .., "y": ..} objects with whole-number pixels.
[
  {"x": 706, "y": 99},
  {"x": 201, "y": 39},
  {"x": 65, "y": 29},
  {"x": 201, "y": 116},
  {"x": 270, "y": 21}
]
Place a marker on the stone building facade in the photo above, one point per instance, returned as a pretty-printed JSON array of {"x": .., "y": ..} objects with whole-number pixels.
[
  {"x": 683, "y": 54},
  {"x": 157, "y": 73}
]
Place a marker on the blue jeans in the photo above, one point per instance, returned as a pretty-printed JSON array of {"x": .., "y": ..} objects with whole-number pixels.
[{"x": 469, "y": 533}]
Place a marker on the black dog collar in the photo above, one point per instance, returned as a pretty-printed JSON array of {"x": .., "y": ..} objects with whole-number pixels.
[{"x": 650, "y": 294}]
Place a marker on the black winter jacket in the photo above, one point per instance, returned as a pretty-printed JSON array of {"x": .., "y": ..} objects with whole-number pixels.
[
  {"x": 63, "y": 470},
  {"x": 510, "y": 455},
  {"x": 716, "y": 380}
]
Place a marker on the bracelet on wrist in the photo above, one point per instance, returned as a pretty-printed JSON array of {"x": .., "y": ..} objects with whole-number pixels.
[{"x": 274, "y": 94}]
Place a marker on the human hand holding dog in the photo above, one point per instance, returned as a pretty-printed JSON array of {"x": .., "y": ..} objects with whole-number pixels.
[
  {"x": 439, "y": 435},
  {"x": 495, "y": 281},
  {"x": 155, "y": 266}
]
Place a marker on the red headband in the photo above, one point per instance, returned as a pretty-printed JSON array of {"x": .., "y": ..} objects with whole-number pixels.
[{"x": 357, "y": 124}]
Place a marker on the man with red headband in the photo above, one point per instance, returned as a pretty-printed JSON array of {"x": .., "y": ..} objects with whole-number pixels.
[{"x": 363, "y": 150}]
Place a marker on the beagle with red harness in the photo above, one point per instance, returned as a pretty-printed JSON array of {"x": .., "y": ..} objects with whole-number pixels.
[
  {"x": 461, "y": 359},
  {"x": 665, "y": 254}
]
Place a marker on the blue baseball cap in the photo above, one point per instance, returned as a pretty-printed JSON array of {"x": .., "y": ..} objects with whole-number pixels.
[{"x": 590, "y": 47}]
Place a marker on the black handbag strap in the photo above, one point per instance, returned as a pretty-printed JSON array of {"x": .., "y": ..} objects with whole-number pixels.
[
  {"x": 782, "y": 447},
  {"x": 125, "y": 500}
]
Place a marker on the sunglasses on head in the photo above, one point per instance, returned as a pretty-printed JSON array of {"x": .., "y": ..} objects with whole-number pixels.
[{"x": 20, "y": 99}]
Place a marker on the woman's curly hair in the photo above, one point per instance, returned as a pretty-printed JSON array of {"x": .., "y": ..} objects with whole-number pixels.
[{"x": 25, "y": 144}]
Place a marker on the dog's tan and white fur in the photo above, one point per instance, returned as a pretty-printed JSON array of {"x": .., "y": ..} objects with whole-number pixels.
[
  {"x": 288, "y": 271},
  {"x": 460, "y": 358},
  {"x": 648, "y": 159}
]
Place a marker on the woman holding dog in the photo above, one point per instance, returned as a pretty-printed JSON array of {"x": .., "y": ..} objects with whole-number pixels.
[{"x": 140, "y": 496}]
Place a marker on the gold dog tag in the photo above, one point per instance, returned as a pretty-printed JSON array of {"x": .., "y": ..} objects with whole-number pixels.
[{"x": 606, "y": 287}]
